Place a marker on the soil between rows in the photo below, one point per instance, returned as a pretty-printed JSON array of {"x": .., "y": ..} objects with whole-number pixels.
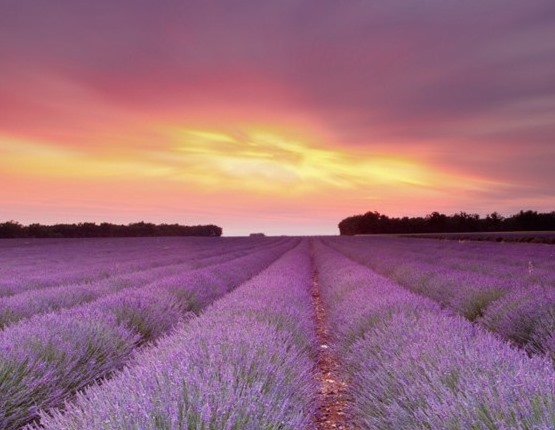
[{"x": 332, "y": 396}]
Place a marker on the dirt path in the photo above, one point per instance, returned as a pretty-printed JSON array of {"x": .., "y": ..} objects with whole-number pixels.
[{"x": 332, "y": 398}]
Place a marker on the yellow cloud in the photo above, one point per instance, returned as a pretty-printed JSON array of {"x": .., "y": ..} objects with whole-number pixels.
[
  {"x": 263, "y": 156},
  {"x": 245, "y": 159}
]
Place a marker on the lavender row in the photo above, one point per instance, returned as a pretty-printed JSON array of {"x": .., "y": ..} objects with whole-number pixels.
[
  {"x": 531, "y": 264},
  {"x": 246, "y": 363},
  {"x": 411, "y": 365},
  {"x": 80, "y": 261},
  {"x": 39, "y": 301},
  {"x": 47, "y": 358},
  {"x": 466, "y": 291},
  {"x": 522, "y": 237},
  {"x": 484, "y": 252},
  {"x": 515, "y": 307},
  {"x": 73, "y": 264},
  {"x": 56, "y": 252},
  {"x": 123, "y": 257}
]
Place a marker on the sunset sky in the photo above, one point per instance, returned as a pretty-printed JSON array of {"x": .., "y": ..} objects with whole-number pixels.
[{"x": 274, "y": 116}]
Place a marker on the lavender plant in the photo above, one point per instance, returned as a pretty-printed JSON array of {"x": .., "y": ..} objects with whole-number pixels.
[
  {"x": 244, "y": 364},
  {"x": 41, "y": 364},
  {"x": 412, "y": 365},
  {"x": 494, "y": 284},
  {"x": 44, "y": 300},
  {"x": 72, "y": 261},
  {"x": 54, "y": 353}
]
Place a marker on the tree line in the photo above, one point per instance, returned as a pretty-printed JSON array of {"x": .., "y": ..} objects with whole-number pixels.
[
  {"x": 462, "y": 222},
  {"x": 13, "y": 229}
]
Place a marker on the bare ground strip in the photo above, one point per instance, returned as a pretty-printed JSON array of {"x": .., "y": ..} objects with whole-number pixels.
[{"x": 332, "y": 395}]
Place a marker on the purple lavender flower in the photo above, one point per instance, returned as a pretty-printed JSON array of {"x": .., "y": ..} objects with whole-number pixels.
[
  {"x": 412, "y": 365},
  {"x": 47, "y": 358},
  {"x": 244, "y": 364}
]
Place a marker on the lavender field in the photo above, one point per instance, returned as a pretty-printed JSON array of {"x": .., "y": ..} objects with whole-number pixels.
[{"x": 276, "y": 333}]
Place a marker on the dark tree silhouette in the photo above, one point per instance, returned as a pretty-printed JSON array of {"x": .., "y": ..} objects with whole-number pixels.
[
  {"x": 436, "y": 222},
  {"x": 13, "y": 229}
]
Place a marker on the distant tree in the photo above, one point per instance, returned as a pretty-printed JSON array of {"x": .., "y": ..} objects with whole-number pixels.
[
  {"x": 493, "y": 222},
  {"x": 464, "y": 222},
  {"x": 369, "y": 223},
  {"x": 374, "y": 223},
  {"x": 437, "y": 222},
  {"x": 532, "y": 221},
  {"x": 12, "y": 229}
]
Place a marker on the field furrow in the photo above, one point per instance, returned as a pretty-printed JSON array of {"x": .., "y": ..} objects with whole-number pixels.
[{"x": 333, "y": 394}]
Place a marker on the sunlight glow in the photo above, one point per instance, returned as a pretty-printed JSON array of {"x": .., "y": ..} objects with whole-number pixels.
[
  {"x": 246, "y": 158},
  {"x": 264, "y": 156}
]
